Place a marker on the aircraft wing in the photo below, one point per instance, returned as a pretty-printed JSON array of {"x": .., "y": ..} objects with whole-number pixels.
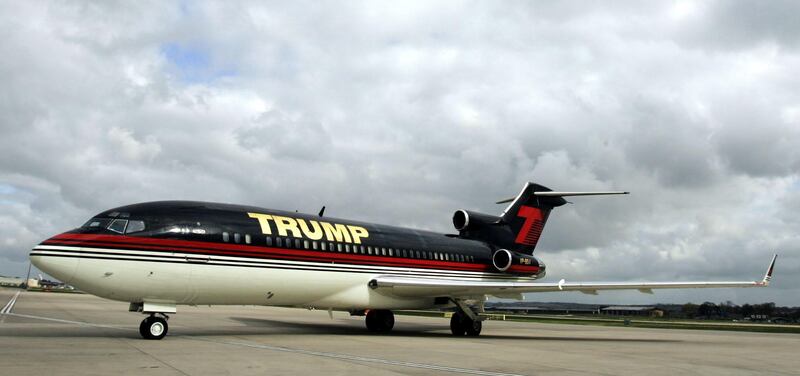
[{"x": 428, "y": 287}]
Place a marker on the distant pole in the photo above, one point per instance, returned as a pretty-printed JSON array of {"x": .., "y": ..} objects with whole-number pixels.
[{"x": 27, "y": 277}]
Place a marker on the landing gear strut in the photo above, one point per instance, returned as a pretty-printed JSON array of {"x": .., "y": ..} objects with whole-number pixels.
[
  {"x": 154, "y": 327},
  {"x": 380, "y": 320},
  {"x": 465, "y": 321}
]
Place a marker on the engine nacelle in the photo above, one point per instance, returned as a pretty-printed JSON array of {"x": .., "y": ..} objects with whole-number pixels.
[
  {"x": 504, "y": 260},
  {"x": 467, "y": 220}
]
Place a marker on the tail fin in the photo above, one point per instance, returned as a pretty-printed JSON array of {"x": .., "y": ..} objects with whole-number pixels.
[{"x": 527, "y": 214}]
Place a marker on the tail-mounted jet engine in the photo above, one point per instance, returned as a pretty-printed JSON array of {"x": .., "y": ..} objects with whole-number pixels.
[
  {"x": 491, "y": 229},
  {"x": 464, "y": 220},
  {"x": 503, "y": 260}
]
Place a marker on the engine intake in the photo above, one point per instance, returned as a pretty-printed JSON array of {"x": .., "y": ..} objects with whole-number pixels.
[
  {"x": 502, "y": 259},
  {"x": 512, "y": 262},
  {"x": 466, "y": 220}
]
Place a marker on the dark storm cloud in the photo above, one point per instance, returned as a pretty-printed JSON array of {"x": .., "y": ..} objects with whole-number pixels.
[{"x": 401, "y": 113}]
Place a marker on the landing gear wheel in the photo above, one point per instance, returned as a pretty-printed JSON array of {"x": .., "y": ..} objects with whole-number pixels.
[
  {"x": 461, "y": 324},
  {"x": 457, "y": 325},
  {"x": 380, "y": 320},
  {"x": 153, "y": 327},
  {"x": 474, "y": 328}
]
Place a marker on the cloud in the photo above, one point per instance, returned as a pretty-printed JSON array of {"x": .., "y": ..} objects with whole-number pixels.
[{"x": 401, "y": 113}]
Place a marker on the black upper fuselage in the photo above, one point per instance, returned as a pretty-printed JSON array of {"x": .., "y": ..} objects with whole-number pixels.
[{"x": 237, "y": 224}]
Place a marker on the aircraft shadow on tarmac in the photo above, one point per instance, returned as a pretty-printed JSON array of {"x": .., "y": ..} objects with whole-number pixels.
[
  {"x": 407, "y": 330},
  {"x": 262, "y": 326}
]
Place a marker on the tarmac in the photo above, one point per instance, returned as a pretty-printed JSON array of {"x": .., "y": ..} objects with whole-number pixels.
[{"x": 55, "y": 333}]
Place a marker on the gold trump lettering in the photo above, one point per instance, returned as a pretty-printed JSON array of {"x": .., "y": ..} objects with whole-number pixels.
[{"x": 311, "y": 229}]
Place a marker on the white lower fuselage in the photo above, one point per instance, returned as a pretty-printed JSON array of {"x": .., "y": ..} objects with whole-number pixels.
[{"x": 192, "y": 279}]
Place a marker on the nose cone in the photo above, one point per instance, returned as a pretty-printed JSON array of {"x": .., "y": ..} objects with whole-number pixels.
[{"x": 55, "y": 260}]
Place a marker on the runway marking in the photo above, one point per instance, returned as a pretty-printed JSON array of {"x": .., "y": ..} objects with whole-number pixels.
[
  {"x": 329, "y": 355},
  {"x": 361, "y": 359},
  {"x": 10, "y": 305},
  {"x": 81, "y": 323}
]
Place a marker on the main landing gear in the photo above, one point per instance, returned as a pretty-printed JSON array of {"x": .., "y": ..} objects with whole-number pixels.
[
  {"x": 380, "y": 320},
  {"x": 465, "y": 321},
  {"x": 461, "y": 324},
  {"x": 154, "y": 327}
]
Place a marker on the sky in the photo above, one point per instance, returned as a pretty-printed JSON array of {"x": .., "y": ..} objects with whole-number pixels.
[{"x": 403, "y": 112}]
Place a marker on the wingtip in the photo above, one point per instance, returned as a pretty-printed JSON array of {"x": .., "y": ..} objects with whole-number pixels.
[{"x": 768, "y": 275}]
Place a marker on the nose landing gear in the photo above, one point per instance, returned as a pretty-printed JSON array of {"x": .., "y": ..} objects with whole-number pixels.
[{"x": 154, "y": 327}]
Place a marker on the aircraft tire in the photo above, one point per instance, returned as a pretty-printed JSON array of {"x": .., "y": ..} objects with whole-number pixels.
[
  {"x": 457, "y": 324},
  {"x": 153, "y": 327},
  {"x": 461, "y": 325},
  {"x": 473, "y": 328},
  {"x": 380, "y": 320}
]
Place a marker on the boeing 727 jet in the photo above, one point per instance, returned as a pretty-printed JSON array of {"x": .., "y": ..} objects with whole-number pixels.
[{"x": 159, "y": 255}]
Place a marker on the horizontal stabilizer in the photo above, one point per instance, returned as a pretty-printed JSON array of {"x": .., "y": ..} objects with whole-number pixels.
[{"x": 564, "y": 194}]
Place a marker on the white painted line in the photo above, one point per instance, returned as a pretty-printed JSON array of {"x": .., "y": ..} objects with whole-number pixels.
[
  {"x": 344, "y": 357},
  {"x": 81, "y": 323},
  {"x": 10, "y": 305}
]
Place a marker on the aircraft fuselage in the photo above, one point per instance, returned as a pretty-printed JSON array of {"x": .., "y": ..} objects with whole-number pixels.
[{"x": 180, "y": 252}]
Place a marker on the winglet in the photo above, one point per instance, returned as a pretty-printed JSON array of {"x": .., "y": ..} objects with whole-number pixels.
[{"x": 768, "y": 276}]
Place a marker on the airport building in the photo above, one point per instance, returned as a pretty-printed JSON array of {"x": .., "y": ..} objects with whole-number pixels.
[{"x": 11, "y": 281}]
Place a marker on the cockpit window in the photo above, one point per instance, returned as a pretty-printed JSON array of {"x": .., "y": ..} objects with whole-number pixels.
[
  {"x": 118, "y": 225},
  {"x": 97, "y": 222},
  {"x": 134, "y": 226}
]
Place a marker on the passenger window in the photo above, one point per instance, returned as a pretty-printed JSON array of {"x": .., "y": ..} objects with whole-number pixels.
[
  {"x": 383, "y": 251},
  {"x": 288, "y": 243},
  {"x": 247, "y": 238},
  {"x": 237, "y": 238},
  {"x": 279, "y": 242},
  {"x": 118, "y": 225},
  {"x": 269, "y": 241},
  {"x": 339, "y": 247},
  {"x": 347, "y": 248},
  {"x": 297, "y": 243},
  {"x": 323, "y": 246},
  {"x": 134, "y": 226},
  {"x": 314, "y": 244},
  {"x": 369, "y": 249},
  {"x": 226, "y": 237},
  {"x": 305, "y": 244}
]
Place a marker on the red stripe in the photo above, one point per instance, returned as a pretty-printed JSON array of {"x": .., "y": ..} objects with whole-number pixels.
[
  {"x": 244, "y": 250},
  {"x": 188, "y": 246}
]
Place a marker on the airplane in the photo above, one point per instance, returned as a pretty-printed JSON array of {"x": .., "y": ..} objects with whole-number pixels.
[{"x": 158, "y": 255}]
